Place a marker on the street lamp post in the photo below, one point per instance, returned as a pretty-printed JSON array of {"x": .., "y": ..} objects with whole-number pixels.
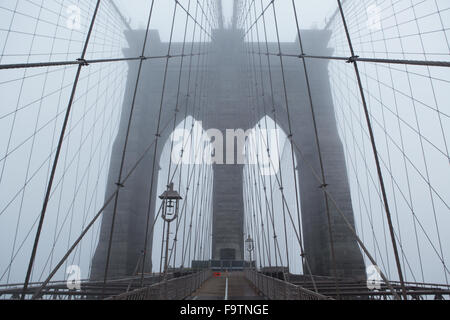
[
  {"x": 171, "y": 204},
  {"x": 250, "y": 244}
]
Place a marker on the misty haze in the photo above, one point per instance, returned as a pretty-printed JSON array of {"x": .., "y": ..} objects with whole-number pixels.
[{"x": 149, "y": 143}]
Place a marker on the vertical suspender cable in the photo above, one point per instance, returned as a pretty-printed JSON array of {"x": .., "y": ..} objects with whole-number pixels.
[
  {"x": 375, "y": 151},
  {"x": 158, "y": 136},
  {"x": 58, "y": 152},
  {"x": 319, "y": 151},
  {"x": 125, "y": 146}
]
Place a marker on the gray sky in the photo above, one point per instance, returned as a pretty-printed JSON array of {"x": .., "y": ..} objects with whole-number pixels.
[
  {"x": 310, "y": 16},
  {"x": 416, "y": 102}
]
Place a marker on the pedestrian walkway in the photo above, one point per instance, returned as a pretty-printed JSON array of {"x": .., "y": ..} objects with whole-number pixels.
[{"x": 227, "y": 286}]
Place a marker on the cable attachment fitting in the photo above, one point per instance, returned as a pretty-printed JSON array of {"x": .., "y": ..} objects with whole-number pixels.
[
  {"x": 323, "y": 186},
  {"x": 83, "y": 62},
  {"x": 120, "y": 185},
  {"x": 353, "y": 59}
]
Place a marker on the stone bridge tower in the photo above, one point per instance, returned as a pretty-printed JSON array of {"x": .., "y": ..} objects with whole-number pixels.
[{"x": 228, "y": 109}]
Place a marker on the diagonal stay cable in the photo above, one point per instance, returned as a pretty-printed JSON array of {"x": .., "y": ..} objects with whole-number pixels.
[
  {"x": 58, "y": 152},
  {"x": 120, "y": 183},
  {"x": 158, "y": 136},
  {"x": 375, "y": 151},
  {"x": 107, "y": 202}
]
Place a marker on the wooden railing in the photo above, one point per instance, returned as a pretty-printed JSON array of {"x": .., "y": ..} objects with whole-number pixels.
[
  {"x": 174, "y": 289},
  {"x": 276, "y": 289}
]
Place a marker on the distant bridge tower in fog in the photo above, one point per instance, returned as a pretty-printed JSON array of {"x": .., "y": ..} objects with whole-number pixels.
[
  {"x": 228, "y": 109},
  {"x": 330, "y": 151}
]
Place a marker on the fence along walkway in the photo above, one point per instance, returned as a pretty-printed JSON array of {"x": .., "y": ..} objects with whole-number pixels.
[
  {"x": 174, "y": 289},
  {"x": 276, "y": 289}
]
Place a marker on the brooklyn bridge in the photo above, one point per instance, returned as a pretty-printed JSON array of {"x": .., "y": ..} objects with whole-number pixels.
[{"x": 224, "y": 150}]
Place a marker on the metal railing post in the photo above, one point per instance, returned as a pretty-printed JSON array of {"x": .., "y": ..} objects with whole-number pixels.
[{"x": 275, "y": 285}]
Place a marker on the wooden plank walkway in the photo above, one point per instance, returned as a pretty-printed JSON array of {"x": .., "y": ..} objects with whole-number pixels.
[{"x": 227, "y": 286}]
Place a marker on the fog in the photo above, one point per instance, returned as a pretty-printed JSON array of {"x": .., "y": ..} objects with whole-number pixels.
[{"x": 409, "y": 108}]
